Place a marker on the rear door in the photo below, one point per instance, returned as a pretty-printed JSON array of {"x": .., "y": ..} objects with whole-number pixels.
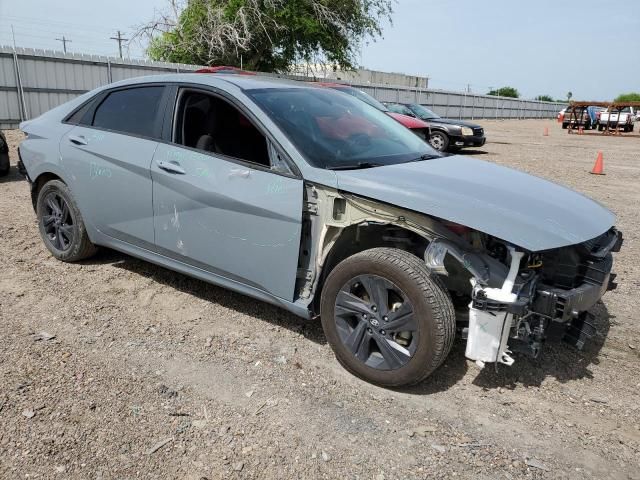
[
  {"x": 225, "y": 198},
  {"x": 109, "y": 154}
]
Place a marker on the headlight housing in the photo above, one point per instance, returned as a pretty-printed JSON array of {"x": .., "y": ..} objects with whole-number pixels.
[{"x": 466, "y": 131}]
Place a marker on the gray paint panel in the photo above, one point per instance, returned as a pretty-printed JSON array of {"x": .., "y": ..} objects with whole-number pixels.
[
  {"x": 234, "y": 218},
  {"x": 110, "y": 178}
]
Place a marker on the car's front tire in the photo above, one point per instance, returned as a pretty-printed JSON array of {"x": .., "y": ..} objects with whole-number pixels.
[
  {"x": 388, "y": 319},
  {"x": 60, "y": 223},
  {"x": 439, "y": 141}
]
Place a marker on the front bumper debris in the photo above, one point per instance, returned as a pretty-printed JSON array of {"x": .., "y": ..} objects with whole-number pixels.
[
  {"x": 561, "y": 292},
  {"x": 565, "y": 304}
]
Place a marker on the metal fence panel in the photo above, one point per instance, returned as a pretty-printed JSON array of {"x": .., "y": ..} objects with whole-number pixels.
[
  {"x": 7, "y": 72},
  {"x": 40, "y": 102},
  {"x": 47, "y": 79},
  {"x": 9, "y": 109}
]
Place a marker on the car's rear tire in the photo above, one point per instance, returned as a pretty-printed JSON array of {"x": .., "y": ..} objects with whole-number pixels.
[
  {"x": 439, "y": 140},
  {"x": 61, "y": 226},
  {"x": 398, "y": 334},
  {"x": 565, "y": 126},
  {"x": 5, "y": 165}
]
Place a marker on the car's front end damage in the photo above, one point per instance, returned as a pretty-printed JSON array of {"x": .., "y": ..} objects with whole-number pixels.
[
  {"x": 517, "y": 295},
  {"x": 516, "y": 261}
]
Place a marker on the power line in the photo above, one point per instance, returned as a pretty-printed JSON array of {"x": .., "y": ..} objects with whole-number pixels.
[
  {"x": 48, "y": 22},
  {"x": 119, "y": 38},
  {"x": 47, "y": 33},
  {"x": 64, "y": 41},
  {"x": 38, "y": 42}
]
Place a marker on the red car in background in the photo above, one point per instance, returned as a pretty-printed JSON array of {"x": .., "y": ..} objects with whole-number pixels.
[{"x": 416, "y": 125}]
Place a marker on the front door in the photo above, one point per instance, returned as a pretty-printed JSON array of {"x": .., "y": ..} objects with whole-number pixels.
[{"x": 220, "y": 201}]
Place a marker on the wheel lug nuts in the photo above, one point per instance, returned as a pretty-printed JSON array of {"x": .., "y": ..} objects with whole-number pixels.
[
  {"x": 383, "y": 332},
  {"x": 374, "y": 308},
  {"x": 369, "y": 330},
  {"x": 385, "y": 318}
]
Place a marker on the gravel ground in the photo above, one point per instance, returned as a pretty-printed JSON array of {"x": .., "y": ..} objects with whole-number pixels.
[{"x": 115, "y": 368}]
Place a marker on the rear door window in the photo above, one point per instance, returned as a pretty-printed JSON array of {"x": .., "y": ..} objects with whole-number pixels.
[{"x": 133, "y": 111}]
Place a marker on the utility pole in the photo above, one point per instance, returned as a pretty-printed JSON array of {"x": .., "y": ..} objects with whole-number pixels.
[
  {"x": 13, "y": 34},
  {"x": 119, "y": 38},
  {"x": 64, "y": 41}
]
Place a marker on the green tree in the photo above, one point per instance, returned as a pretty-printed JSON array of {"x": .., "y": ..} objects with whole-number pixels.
[
  {"x": 265, "y": 35},
  {"x": 628, "y": 97},
  {"x": 544, "y": 98},
  {"x": 505, "y": 92},
  {"x": 569, "y": 96}
]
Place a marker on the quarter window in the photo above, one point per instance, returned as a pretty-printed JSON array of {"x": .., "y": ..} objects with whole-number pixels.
[
  {"x": 133, "y": 111},
  {"x": 78, "y": 116}
]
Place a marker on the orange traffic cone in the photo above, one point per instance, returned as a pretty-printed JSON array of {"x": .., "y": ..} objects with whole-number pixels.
[
  {"x": 546, "y": 132},
  {"x": 598, "y": 167}
]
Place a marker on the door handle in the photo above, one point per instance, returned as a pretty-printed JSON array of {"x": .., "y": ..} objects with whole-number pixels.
[
  {"x": 237, "y": 172},
  {"x": 78, "y": 140},
  {"x": 171, "y": 167}
]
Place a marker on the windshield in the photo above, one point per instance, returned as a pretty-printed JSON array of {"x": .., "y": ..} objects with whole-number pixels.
[
  {"x": 360, "y": 95},
  {"x": 333, "y": 130},
  {"x": 397, "y": 108},
  {"x": 423, "y": 112}
]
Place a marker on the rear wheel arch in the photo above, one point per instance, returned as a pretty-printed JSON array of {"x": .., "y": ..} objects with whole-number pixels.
[
  {"x": 38, "y": 183},
  {"x": 60, "y": 222}
]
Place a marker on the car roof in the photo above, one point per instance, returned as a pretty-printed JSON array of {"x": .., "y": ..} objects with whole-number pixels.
[{"x": 244, "y": 82}]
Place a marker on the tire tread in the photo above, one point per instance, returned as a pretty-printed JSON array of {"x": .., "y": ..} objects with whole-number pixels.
[
  {"x": 434, "y": 292},
  {"x": 85, "y": 249}
]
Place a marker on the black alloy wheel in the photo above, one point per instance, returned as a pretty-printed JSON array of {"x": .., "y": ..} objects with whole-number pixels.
[
  {"x": 375, "y": 321},
  {"x": 58, "y": 222}
]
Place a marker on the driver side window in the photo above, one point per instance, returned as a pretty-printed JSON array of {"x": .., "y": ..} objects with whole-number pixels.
[{"x": 210, "y": 124}]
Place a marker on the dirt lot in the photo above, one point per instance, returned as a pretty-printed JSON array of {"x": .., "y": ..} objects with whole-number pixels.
[{"x": 155, "y": 375}]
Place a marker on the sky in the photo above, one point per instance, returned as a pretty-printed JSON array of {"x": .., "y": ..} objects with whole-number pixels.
[{"x": 541, "y": 47}]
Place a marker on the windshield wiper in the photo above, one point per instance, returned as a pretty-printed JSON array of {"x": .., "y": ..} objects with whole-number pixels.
[
  {"x": 355, "y": 166},
  {"x": 426, "y": 156}
]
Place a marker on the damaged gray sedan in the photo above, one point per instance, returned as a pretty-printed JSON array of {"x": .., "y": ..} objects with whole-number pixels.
[{"x": 317, "y": 202}]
